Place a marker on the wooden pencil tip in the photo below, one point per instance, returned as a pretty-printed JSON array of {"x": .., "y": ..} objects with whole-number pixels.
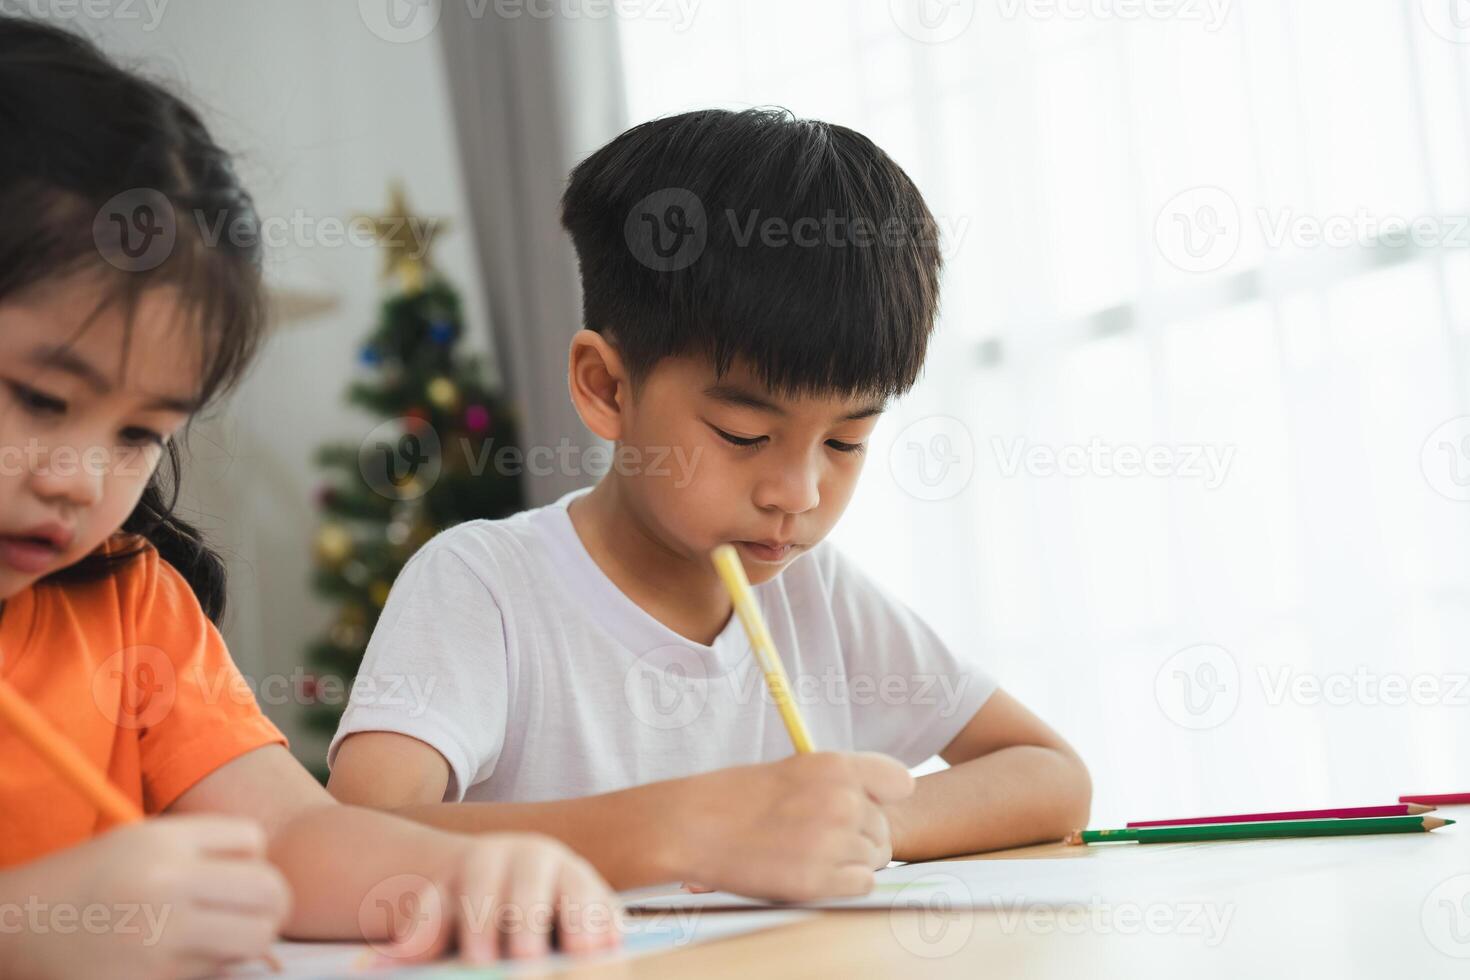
[
  {"x": 1433, "y": 823},
  {"x": 1415, "y": 809},
  {"x": 1075, "y": 837}
]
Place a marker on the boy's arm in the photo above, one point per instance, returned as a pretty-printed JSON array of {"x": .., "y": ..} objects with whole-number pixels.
[
  {"x": 805, "y": 827},
  {"x": 1012, "y": 780}
]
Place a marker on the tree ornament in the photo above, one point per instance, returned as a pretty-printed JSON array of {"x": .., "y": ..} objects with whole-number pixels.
[
  {"x": 443, "y": 394},
  {"x": 477, "y": 419},
  {"x": 333, "y": 544}
]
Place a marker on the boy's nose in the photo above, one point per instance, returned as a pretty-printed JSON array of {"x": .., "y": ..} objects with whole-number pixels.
[{"x": 791, "y": 488}]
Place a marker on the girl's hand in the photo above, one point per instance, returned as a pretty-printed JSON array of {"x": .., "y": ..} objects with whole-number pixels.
[
  {"x": 175, "y": 896},
  {"x": 508, "y": 895}
]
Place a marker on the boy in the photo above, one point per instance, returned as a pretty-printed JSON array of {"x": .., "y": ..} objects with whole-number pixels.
[{"x": 755, "y": 288}]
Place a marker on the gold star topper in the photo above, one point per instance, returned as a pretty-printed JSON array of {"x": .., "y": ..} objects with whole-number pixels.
[{"x": 406, "y": 239}]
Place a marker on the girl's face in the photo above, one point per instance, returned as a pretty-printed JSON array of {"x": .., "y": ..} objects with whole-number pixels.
[{"x": 86, "y": 409}]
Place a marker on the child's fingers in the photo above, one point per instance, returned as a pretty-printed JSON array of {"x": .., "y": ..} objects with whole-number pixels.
[
  {"x": 851, "y": 880},
  {"x": 875, "y": 828},
  {"x": 481, "y": 891},
  {"x": 884, "y": 778},
  {"x": 531, "y": 901},
  {"x": 420, "y": 932},
  {"x": 227, "y": 936},
  {"x": 215, "y": 835},
  {"x": 589, "y": 916},
  {"x": 254, "y": 888},
  {"x": 188, "y": 966},
  {"x": 844, "y": 849}
]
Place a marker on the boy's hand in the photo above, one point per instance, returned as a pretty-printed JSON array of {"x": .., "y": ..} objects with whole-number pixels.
[
  {"x": 175, "y": 896},
  {"x": 506, "y": 896},
  {"x": 808, "y": 827}
]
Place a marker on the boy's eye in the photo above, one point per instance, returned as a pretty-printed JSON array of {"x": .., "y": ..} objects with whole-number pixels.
[
  {"x": 36, "y": 401},
  {"x": 845, "y": 447},
  {"x": 735, "y": 440}
]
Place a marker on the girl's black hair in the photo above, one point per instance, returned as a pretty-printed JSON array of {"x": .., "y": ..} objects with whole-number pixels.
[{"x": 81, "y": 137}]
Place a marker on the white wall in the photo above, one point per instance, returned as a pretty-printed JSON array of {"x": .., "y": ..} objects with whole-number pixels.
[{"x": 322, "y": 114}]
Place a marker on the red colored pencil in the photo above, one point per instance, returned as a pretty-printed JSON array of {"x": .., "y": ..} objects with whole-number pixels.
[
  {"x": 1445, "y": 798},
  {"x": 1405, "y": 809}
]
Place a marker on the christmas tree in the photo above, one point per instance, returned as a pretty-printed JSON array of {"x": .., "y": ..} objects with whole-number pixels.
[{"x": 428, "y": 466}]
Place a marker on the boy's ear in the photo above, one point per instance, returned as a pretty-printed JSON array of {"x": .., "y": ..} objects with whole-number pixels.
[{"x": 599, "y": 384}]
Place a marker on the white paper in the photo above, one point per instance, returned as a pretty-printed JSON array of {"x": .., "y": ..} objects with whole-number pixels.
[
  {"x": 656, "y": 932},
  {"x": 1125, "y": 873}
]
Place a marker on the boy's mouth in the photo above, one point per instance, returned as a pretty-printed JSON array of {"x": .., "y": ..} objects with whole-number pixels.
[{"x": 768, "y": 551}]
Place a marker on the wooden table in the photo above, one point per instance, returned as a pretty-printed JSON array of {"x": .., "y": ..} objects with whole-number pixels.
[{"x": 1383, "y": 907}]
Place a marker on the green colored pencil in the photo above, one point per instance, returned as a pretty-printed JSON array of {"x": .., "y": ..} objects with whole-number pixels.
[{"x": 1335, "y": 827}]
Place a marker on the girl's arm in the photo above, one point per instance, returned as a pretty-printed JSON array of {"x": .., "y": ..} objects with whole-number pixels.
[{"x": 358, "y": 873}]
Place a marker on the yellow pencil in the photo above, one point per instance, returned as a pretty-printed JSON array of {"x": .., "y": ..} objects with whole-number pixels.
[
  {"x": 732, "y": 573},
  {"x": 64, "y": 758}
]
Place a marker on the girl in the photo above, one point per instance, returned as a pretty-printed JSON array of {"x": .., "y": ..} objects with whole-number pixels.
[{"x": 118, "y": 321}]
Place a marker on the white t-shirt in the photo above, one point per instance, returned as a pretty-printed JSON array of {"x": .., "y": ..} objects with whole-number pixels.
[{"x": 505, "y": 647}]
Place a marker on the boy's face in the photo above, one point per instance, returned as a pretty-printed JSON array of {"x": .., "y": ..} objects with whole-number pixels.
[
  {"x": 742, "y": 465},
  {"x": 84, "y": 418}
]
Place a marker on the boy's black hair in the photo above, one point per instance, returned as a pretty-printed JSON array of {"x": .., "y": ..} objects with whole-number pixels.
[{"x": 795, "y": 246}]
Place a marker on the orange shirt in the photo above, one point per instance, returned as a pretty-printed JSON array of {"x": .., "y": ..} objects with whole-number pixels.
[{"x": 132, "y": 671}]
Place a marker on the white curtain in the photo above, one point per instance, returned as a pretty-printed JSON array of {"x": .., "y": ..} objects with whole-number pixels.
[
  {"x": 532, "y": 95},
  {"x": 1185, "y": 468}
]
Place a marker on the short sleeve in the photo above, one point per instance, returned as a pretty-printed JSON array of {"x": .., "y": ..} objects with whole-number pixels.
[
  {"x": 435, "y": 668},
  {"x": 192, "y": 708},
  {"x": 908, "y": 692}
]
